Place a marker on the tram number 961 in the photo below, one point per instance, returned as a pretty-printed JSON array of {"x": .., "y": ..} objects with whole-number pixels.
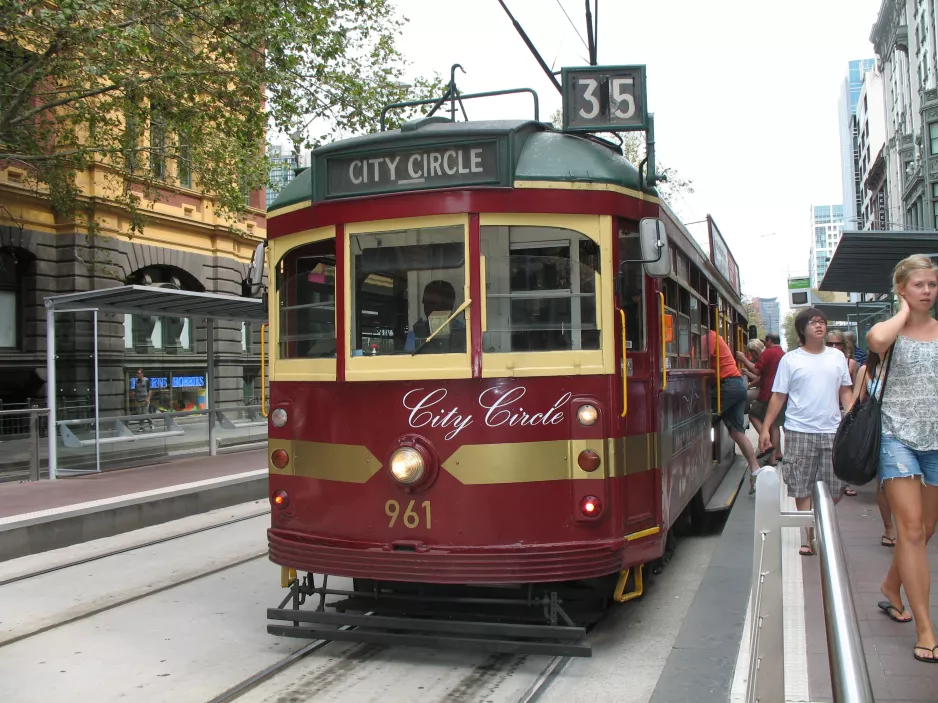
[
  {"x": 604, "y": 98},
  {"x": 411, "y": 518}
]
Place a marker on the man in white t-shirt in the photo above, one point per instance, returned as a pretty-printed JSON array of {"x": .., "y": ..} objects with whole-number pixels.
[{"x": 815, "y": 381}]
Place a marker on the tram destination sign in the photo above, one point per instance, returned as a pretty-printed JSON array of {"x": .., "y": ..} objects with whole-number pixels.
[
  {"x": 722, "y": 258},
  {"x": 441, "y": 166},
  {"x": 604, "y": 99}
]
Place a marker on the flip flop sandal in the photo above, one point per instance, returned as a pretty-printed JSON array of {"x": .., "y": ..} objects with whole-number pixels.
[
  {"x": 850, "y": 492},
  {"x": 892, "y": 612},
  {"x": 806, "y": 551},
  {"x": 933, "y": 659},
  {"x": 887, "y": 541},
  {"x": 763, "y": 455}
]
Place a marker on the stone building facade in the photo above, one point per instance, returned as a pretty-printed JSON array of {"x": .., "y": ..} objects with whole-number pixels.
[
  {"x": 905, "y": 37},
  {"x": 185, "y": 244}
]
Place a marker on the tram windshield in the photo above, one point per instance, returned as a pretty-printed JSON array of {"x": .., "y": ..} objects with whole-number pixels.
[
  {"x": 406, "y": 285},
  {"x": 540, "y": 290}
]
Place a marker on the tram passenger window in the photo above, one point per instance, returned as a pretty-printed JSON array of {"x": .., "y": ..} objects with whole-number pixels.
[
  {"x": 634, "y": 298},
  {"x": 405, "y": 286},
  {"x": 540, "y": 288},
  {"x": 306, "y": 284}
]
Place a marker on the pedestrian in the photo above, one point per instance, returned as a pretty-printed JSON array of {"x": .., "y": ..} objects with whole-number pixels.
[
  {"x": 908, "y": 466},
  {"x": 732, "y": 403},
  {"x": 754, "y": 350},
  {"x": 868, "y": 385},
  {"x": 763, "y": 372},
  {"x": 815, "y": 382},
  {"x": 141, "y": 397},
  {"x": 838, "y": 340},
  {"x": 853, "y": 349}
]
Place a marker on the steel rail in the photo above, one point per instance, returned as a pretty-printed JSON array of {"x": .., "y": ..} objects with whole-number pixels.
[
  {"x": 124, "y": 550},
  {"x": 850, "y": 677}
]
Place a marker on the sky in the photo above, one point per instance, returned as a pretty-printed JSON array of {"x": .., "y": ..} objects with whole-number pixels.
[{"x": 744, "y": 95}]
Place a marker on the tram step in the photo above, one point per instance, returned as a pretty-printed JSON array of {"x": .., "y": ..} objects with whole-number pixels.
[{"x": 726, "y": 493}]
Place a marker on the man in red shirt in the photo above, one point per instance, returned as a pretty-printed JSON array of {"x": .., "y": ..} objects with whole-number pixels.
[
  {"x": 764, "y": 371},
  {"x": 733, "y": 403}
]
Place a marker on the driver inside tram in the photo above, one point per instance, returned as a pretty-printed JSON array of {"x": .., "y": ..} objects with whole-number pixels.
[{"x": 439, "y": 300}]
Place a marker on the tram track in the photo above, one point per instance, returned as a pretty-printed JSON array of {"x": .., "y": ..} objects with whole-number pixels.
[
  {"x": 476, "y": 684},
  {"x": 125, "y": 550}
]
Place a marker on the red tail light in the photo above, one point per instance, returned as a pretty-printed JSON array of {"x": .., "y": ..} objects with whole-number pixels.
[
  {"x": 591, "y": 506},
  {"x": 279, "y": 458},
  {"x": 280, "y": 498}
]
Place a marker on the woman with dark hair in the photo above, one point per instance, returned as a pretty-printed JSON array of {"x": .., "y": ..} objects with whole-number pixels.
[{"x": 868, "y": 384}]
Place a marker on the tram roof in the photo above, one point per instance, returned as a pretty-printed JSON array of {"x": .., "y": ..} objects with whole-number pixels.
[
  {"x": 535, "y": 152},
  {"x": 863, "y": 261}
]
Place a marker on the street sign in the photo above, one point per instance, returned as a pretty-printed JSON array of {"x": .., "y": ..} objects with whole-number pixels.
[
  {"x": 604, "y": 99},
  {"x": 799, "y": 292}
]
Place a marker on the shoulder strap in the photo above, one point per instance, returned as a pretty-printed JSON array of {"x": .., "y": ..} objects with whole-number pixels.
[{"x": 887, "y": 362}]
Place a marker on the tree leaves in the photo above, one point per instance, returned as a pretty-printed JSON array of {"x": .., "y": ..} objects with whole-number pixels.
[{"x": 81, "y": 82}]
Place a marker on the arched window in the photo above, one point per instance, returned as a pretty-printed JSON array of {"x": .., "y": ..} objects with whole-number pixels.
[{"x": 170, "y": 334}]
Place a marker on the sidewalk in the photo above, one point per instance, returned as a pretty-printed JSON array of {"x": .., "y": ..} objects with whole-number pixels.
[
  {"x": 43, "y": 515},
  {"x": 896, "y": 676}
]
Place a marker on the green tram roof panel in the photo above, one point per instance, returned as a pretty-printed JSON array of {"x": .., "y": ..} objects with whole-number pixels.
[{"x": 504, "y": 150}]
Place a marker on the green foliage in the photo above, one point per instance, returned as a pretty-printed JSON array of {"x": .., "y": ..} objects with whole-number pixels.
[
  {"x": 788, "y": 329},
  {"x": 137, "y": 86},
  {"x": 754, "y": 315}
]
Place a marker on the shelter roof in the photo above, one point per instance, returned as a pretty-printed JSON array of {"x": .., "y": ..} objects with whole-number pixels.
[
  {"x": 863, "y": 261},
  {"x": 149, "y": 300}
]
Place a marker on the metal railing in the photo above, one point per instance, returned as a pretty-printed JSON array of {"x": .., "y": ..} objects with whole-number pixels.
[
  {"x": 33, "y": 416},
  {"x": 850, "y": 677}
]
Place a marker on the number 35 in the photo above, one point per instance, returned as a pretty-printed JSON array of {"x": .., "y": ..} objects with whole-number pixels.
[{"x": 411, "y": 519}]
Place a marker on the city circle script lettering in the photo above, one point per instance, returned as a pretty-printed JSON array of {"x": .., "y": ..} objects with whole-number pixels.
[
  {"x": 433, "y": 167},
  {"x": 429, "y": 408}
]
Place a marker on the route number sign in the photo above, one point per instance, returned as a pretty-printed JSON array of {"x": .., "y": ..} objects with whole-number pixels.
[{"x": 604, "y": 99}]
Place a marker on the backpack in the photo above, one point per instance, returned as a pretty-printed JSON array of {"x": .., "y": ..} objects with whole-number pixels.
[{"x": 857, "y": 441}]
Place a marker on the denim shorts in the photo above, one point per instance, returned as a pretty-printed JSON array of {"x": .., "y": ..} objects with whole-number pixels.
[
  {"x": 899, "y": 461},
  {"x": 733, "y": 400}
]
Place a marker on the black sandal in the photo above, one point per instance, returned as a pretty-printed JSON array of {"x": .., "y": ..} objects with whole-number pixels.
[
  {"x": 892, "y": 612},
  {"x": 887, "y": 541},
  {"x": 933, "y": 659}
]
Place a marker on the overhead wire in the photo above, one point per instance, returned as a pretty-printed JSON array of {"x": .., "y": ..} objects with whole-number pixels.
[{"x": 563, "y": 9}]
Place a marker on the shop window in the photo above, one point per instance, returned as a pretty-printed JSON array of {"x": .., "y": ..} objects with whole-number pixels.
[
  {"x": 11, "y": 299},
  {"x": 306, "y": 285},
  {"x": 173, "y": 390},
  {"x": 406, "y": 286},
  {"x": 540, "y": 290},
  {"x": 634, "y": 291}
]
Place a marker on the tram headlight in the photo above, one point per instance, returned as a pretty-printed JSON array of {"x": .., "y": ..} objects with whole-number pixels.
[
  {"x": 407, "y": 466},
  {"x": 278, "y": 418},
  {"x": 587, "y": 415}
]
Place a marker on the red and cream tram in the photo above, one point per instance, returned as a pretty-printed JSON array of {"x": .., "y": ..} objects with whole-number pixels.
[{"x": 484, "y": 410}]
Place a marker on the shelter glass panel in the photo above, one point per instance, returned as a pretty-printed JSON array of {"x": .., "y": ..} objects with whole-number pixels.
[
  {"x": 306, "y": 286},
  {"x": 540, "y": 287},
  {"x": 407, "y": 288}
]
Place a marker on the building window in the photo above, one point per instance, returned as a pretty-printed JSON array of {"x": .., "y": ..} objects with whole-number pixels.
[
  {"x": 11, "y": 296},
  {"x": 933, "y": 138},
  {"x": 184, "y": 165},
  {"x": 157, "y": 142}
]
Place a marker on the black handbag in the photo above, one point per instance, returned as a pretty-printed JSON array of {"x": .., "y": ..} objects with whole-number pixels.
[{"x": 856, "y": 443}]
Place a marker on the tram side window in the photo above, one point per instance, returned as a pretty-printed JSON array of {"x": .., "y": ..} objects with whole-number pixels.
[
  {"x": 306, "y": 283},
  {"x": 540, "y": 287},
  {"x": 634, "y": 298},
  {"x": 406, "y": 285}
]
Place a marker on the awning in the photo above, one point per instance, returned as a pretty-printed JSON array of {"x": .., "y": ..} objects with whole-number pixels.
[
  {"x": 864, "y": 261},
  {"x": 158, "y": 302}
]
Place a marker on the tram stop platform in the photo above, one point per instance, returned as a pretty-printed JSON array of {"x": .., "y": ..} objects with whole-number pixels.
[
  {"x": 39, "y": 516},
  {"x": 709, "y": 660}
]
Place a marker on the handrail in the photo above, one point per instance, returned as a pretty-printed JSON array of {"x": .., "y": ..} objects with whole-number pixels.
[
  {"x": 664, "y": 348},
  {"x": 24, "y": 411},
  {"x": 850, "y": 678},
  {"x": 848, "y": 668},
  {"x": 263, "y": 372},
  {"x": 158, "y": 415},
  {"x": 716, "y": 336},
  {"x": 625, "y": 369}
]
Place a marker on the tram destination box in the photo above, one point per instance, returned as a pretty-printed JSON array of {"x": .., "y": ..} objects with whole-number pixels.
[
  {"x": 604, "y": 99},
  {"x": 441, "y": 166}
]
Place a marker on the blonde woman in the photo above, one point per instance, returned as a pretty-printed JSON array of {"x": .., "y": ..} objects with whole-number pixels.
[{"x": 908, "y": 467}]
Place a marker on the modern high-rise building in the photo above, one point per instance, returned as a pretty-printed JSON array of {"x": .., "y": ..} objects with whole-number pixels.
[
  {"x": 771, "y": 311},
  {"x": 849, "y": 141},
  {"x": 282, "y": 170},
  {"x": 827, "y": 224}
]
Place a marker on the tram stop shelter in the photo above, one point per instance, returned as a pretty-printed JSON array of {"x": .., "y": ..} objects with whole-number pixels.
[
  {"x": 863, "y": 261},
  {"x": 148, "y": 301}
]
